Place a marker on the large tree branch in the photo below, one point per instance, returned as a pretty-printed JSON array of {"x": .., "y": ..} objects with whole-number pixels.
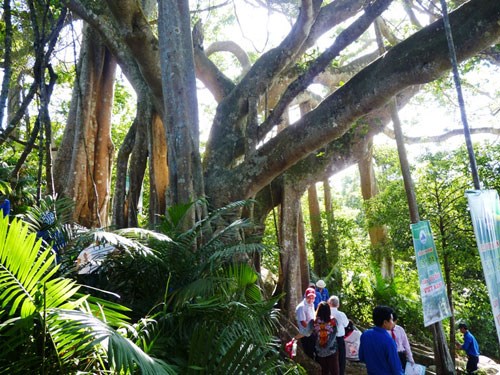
[
  {"x": 345, "y": 38},
  {"x": 333, "y": 157},
  {"x": 417, "y": 60},
  {"x": 332, "y": 15}
]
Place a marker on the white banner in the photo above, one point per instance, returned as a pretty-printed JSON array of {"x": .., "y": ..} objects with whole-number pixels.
[{"x": 485, "y": 212}]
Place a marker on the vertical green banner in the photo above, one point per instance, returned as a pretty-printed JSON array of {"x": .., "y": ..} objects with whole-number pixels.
[
  {"x": 485, "y": 213},
  {"x": 432, "y": 287}
]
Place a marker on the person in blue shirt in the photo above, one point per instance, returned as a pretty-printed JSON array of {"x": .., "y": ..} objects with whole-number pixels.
[
  {"x": 321, "y": 293},
  {"x": 471, "y": 348},
  {"x": 5, "y": 207},
  {"x": 377, "y": 349}
]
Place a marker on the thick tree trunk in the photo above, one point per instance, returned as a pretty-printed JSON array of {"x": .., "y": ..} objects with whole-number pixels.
[
  {"x": 291, "y": 273},
  {"x": 180, "y": 103},
  {"x": 83, "y": 163},
  {"x": 378, "y": 233}
]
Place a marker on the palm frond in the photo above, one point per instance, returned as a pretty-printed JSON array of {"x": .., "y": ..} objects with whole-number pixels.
[
  {"x": 214, "y": 216},
  {"x": 227, "y": 355},
  {"x": 50, "y": 213},
  {"x": 78, "y": 332},
  {"x": 39, "y": 310},
  {"x": 26, "y": 273},
  {"x": 130, "y": 246},
  {"x": 143, "y": 235}
]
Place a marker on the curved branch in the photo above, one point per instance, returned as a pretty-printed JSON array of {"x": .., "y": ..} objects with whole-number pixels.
[
  {"x": 442, "y": 137},
  {"x": 232, "y": 47},
  {"x": 214, "y": 80},
  {"x": 332, "y": 15}
]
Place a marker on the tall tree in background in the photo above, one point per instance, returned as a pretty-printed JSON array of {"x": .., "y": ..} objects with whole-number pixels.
[{"x": 381, "y": 251}]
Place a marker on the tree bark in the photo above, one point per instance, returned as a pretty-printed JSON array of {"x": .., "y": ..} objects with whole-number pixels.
[
  {"x": 83, "y": 163},
  {"x": 158, "y": 170},
  {"x": 321, "y": 264},
  {"x": 180, "y": 103},
  {"x": 291, "y": 273}
]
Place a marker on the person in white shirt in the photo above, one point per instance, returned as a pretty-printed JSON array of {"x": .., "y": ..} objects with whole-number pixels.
[
  {"x": 305, "y": 314},
  {"x": 399, "y": 335},
  {"x": 342, "y": 322}
]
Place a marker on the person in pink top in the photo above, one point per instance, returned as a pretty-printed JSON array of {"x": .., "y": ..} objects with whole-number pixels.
[{"x": 399, "y": 335}]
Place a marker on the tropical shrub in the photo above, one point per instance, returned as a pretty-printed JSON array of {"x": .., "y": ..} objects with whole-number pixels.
[
  {"x": 195, "y": 297},
  {"x": 47, "y": 326}
]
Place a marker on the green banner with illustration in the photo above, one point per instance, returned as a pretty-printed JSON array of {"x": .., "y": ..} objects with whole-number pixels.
[
  {"x": 484, "y": 208},
  {"x": 432, "y": 287}
]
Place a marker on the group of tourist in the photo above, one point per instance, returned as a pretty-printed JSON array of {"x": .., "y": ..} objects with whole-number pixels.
[
  {"x": 322, "y": 328},
  {"x": 384, "y": 349}
]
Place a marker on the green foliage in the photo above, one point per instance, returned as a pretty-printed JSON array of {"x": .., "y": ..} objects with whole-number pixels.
[
  {"x": 270, "y": 242},
  {"x": 440, "y": 180},
  {"x": 206, "y": 313},
  {"x": 46, "y": 327},
  {"x": 21, "y": 193}
]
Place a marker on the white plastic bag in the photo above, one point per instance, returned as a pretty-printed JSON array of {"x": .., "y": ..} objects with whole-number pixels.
[{"x": 415, "y": 369}]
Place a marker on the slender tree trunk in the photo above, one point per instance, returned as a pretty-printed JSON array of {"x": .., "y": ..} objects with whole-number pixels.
[
  {"x": 321, "y": 266},
  {"x": 120, "y": 210},
  {"x": 138, "y": 159},
  {"x": 332, "y": 243},
  {"x": 447, "y": 274},
  {"x": 443, "y": 361},
  {"x": 7, "y": 63},
  {"x": 303, "y": 262},
  {"x": 378, "y": 233},
  {"x": 83, "y": 163},
  {"x": 132, "y": 162}
]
